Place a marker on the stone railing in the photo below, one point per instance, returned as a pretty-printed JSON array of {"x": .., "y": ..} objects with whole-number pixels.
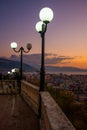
[
  {"x": 52, "y": 117},
  {"x": 30, "y": 93},
  {"x": 8, "y": 87}
]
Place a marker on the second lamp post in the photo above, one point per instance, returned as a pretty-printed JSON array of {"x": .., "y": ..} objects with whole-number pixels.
[{"x": 21, "y": 50}]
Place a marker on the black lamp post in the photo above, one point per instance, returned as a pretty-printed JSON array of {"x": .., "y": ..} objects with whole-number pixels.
[
  {"x": 21, "y": 50},
  {"x": 46, "y": 15}
]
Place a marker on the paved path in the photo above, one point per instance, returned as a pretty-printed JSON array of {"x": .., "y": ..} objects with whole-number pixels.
[{"x": 15, "y": 114}]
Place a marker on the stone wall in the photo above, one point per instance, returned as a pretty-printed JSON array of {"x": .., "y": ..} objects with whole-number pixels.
[
  {"x": 52, "y": 117},
  {"x": 30, "y": 93}
]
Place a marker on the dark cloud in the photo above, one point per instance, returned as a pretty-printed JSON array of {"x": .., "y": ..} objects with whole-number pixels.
[
  {"x": 35, "y": 59},
  {"x": 58, "y": 59}
]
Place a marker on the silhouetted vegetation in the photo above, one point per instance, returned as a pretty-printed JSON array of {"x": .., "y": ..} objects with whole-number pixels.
[{"x": 74, "y": 110}]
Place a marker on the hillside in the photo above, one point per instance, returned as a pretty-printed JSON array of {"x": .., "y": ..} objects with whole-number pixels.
[{"x": 6, "y": 65}]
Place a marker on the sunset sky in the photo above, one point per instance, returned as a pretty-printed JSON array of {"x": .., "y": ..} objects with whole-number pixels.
[{"x": 66, "y": 36}]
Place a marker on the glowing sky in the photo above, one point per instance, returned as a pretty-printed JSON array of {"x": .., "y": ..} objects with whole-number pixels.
[{"x": 66, "y": 35}]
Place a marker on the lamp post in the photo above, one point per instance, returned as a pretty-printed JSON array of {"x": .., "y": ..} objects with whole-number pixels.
[
  {"x": 46, "y": 16},
  {"x": 21, "y": 50}
]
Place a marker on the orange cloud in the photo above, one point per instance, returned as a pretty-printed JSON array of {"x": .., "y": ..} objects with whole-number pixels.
[{"x": 80, "y": 62}]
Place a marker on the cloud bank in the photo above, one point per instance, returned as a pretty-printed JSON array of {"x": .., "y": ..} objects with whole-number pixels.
[{"x": 50, "y": 59}]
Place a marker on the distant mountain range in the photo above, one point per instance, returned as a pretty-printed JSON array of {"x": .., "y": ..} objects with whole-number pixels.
[{"x": 6, "y": 65}]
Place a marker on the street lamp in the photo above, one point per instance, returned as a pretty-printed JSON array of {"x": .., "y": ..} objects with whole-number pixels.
[
  {"x": 21, "y": 50},
  {"x": 46, "y": 15},
  {"x": 13, "y": 70}
]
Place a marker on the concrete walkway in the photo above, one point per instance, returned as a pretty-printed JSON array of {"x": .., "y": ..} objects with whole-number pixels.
[{"x": 15, "y": 114}]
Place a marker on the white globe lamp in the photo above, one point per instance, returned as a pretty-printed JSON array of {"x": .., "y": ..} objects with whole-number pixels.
[
  {"x": 13, "y": 45},
  {"x": 40, "y": 26},
  {"x": 46, "y": 15}
]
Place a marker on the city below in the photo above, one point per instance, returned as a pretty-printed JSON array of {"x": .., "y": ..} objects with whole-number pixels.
[
  {"x": 75, "y": 83},
  {"x": 67, "y": 78}
]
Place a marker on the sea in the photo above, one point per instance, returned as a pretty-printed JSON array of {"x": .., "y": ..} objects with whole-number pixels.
[{"x": 67, "y": 72}]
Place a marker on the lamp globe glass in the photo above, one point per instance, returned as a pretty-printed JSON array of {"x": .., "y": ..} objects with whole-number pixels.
[
  {"x": 39, "y": 26},
  {"x": 46, "y": 15},
  {"x": 29, "y": 46},
  {"x": 13, "y": 45}
]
